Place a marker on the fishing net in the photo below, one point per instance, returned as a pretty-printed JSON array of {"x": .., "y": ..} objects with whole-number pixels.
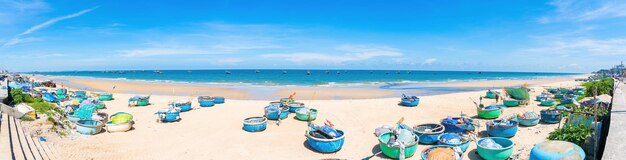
[
  {"x": 85, "y": 111},
  {"x": 518, "y": 93}
]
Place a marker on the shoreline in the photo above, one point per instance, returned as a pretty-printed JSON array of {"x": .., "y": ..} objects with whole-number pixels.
[
  {"x": 206, "y": 129},
  {"x": 256, "y": 92}
]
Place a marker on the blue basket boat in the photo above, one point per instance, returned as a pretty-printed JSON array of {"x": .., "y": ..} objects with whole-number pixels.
[
  {"x": 325, "y": 145},
  {"x": 219, "y": 100},
  {"x": 206, "y": 101},
  {"x": 457, "y": 153},
  {"x": 452, "y": 127},
  {"x": 551, "y": 116},
  {"x": 525, "y": 122},
  {"x": 184, "y": 106},
  {"x": 293, "y": 107},
  {"x": 255, "y": 124},
  {"x": 274, "y": 112},
  {"x": 409, "y": 101},
  {"x": 89, "y": 127},
  {"x": 556, "y": 150},
  {"x": 446, "y": 139},
  {"x": 494, "y": 129},
  {"x": 495, "y": 153},
  {"x": 428, "y": 133},
  {"x": 168, "y": 115}
]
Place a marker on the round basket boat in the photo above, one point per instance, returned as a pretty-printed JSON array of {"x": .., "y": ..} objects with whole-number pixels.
[
  {"x": 458, "y": 155},
  {"x": 88, "y": 127},
  {"x": 458, "y": 128},
  {"x": 273, "y": 113},
  {"x": 306, "y": 116},
  {"x": 489, "y": 113},
  {"x": 394, "y": 152},
  {"x": 510, "y": 102},
  {"x": 526, "y": 122},
  {"x": 293, "y": 107},
  {"x": 410, "y": 102},
  {"x": 495, "y": 154},
  {"x": 255, "y": 124},
  {"x": 325, "y": 145},
  {"x": 183, "y": 106},
  {"x": 463, "y": 141},
  {"x": 168, "y": 115},
  {"x": 547, "y": 102},
  {"x": 491, "y": 94},
  {"x": 502, "y": 131},
  {"x": 105, "y": 96},
  {"x": 428, "y": 133},
  {"x": 219, "y": 100},
  {"x": 550, "y": 116},
  {"x": 122, "y": 127},
  {"x": 206, "y": 101},
  {"x": 556, "y": 150}
]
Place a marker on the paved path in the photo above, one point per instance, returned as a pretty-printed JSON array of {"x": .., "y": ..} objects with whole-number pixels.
[{"x": 616, "y": 141}]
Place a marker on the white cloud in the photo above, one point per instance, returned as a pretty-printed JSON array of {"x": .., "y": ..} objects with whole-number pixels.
[
  {"x": 54, "y": 20},
  {"x": 16, "y": 10},
  {"x": 353, "y": 53},
  {"x": 229, "y": 61},
  {"x": 615, "y": 46},
  {"x": 429, "y": 61},
  {"x": 18, "y": 38},
  {"x": 161, "y": 51},
  {"x": 584, "y": 10}
]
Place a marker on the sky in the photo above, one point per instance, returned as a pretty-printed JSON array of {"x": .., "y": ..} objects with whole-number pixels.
[{"x": 521, "y": 35}]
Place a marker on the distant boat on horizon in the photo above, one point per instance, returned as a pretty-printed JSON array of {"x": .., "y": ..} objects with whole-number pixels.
[
  {"x": 308, "y": 72},
  {"x": 284, "y": 72},
  {"x": 158, "y": 72},
  {"x": 257, "y": 71},
  {"x": 227, "y": 72}
]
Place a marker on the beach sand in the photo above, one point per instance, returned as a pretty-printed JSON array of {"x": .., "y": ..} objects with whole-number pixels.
[{"x": 216, "y": 132}]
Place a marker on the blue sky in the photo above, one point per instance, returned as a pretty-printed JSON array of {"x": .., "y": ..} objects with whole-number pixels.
[{"x": 551, "y": 36}]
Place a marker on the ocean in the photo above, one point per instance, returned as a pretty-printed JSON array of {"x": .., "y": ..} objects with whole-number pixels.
[{"x": 380, "y": 78}]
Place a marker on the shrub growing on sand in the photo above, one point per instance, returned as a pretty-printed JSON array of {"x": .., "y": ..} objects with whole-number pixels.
[
  {"x": 604, "y": 86},
  {"x": 571, "y": 133}
]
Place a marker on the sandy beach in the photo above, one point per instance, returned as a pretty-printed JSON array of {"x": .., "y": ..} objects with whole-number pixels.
[{"x": 216, "y": 132}]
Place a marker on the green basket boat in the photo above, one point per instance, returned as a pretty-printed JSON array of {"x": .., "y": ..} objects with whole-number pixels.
[
  {"x": 489, "y": 113},
  {"x": 491, "y": 94},
  {"x": 105, "y": 96},
  {"x": 510, "y": 102},
  {"x": 139, "y": 101},
  {"x": 306, "y": 116},
  {"x": 548, "y": 102},
  {"x": 394, "y": 152}
]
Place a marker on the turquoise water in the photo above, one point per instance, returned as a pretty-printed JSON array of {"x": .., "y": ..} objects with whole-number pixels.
[{"x": 388, "y": 79}]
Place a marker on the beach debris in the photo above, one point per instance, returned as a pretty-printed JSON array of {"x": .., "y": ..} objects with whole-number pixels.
[{"x": 382, "y": 130}]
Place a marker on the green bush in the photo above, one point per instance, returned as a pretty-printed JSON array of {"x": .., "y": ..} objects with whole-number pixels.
[
  {"x": 575, "y": 134},
  {"x": 17, "y": 96},
  {"x": 604, "y": 86}
]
